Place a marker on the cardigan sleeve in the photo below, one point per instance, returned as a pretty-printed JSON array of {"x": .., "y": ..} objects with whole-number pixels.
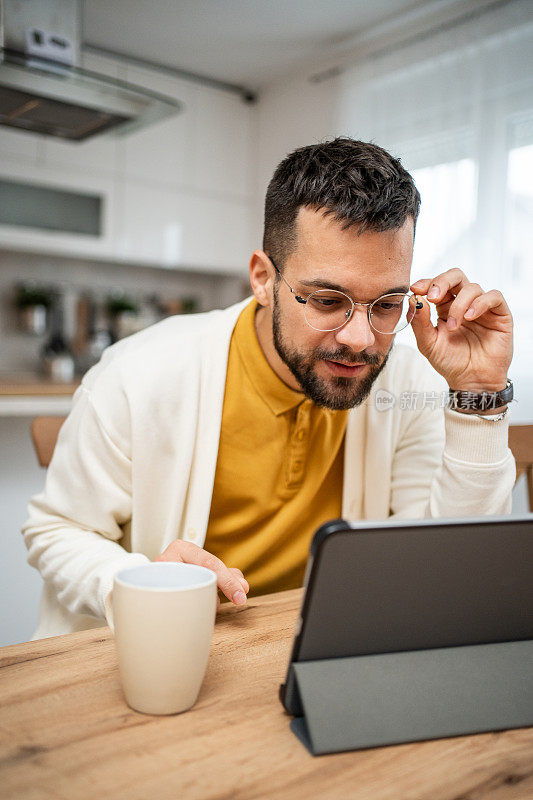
[
  {"x": 477, "y": 471},
  {"x": 457, "y": 469},
  {"x": 74, "y": 528}
]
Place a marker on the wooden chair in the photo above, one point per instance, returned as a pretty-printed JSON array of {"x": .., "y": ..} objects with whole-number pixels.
[
  {"x": 521, "y": 444},
  {"x": 44, "y": 432}
]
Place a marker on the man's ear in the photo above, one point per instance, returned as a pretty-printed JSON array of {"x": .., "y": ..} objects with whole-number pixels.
[{"x": 261, "y": 277}]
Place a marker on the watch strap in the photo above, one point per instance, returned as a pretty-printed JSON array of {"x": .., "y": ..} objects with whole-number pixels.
[{"x": 480, "y": 401}]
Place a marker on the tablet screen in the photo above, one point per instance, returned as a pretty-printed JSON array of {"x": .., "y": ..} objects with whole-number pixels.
[{"x": 399, "y": 586}]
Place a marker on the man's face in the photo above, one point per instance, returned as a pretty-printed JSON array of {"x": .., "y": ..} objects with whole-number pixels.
[{"x": 336, "y": 369}]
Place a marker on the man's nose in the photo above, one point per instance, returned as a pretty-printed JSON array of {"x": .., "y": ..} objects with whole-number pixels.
[{"x": 357, "y": 333}]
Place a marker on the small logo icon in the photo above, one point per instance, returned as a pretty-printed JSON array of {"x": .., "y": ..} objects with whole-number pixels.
[{"x": 384, "y": 400}]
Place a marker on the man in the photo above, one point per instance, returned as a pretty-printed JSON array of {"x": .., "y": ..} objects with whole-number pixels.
[{"x": 226, "y": 438}]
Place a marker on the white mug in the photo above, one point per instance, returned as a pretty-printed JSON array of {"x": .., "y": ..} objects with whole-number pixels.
[{"x": 163, "y": 615}]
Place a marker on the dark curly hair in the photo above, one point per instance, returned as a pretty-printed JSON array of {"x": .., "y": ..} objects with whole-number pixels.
[{"x": 358, "y": 182}]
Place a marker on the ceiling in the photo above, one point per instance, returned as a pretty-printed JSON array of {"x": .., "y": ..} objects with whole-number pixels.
[{"x": 246, "y": 42}]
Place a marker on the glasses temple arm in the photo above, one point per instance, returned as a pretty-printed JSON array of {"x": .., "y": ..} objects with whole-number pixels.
[{"x": 283, "y": 279}]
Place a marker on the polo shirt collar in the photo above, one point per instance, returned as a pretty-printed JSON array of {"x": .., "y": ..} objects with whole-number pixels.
[{"x": 279, "y": 397}]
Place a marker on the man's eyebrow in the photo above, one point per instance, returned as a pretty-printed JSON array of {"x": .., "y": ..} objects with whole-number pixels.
[{"x": 323, "y": 284}]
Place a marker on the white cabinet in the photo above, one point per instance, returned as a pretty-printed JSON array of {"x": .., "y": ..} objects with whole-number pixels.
[
  {"x": 223, "y": 144},
  {"x": 21, "y": 145},
  {"x": 51, "y": 241},
  {"x": 185, "y": 192},
  {"x": 217, "y": 233},
  {"x": 88, "y": 167},
  {"x": 150, "y": 229},
  {"x": 164, "y": 152},
  {"x": 166, "y": 227},
  {"x": 207, "y": 146},
  {"x": 175, "y": 194}
]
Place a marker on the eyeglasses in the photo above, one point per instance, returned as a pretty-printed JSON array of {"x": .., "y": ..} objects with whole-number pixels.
[{"x": 329, "y": 309}]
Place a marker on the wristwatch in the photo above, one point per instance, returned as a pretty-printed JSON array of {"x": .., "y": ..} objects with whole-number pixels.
[
  {"x": 480, "y": 401},
  {"x": 492, "y": 417}
]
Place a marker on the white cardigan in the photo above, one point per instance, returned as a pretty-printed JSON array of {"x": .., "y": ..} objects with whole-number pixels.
[{"x": 134, "y": 464}]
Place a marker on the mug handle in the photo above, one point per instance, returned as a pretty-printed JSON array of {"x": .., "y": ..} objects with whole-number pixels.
[{"x": 109, "y": 611}]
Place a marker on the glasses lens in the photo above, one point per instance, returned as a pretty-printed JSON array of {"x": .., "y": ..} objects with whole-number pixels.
[
  {"x": 327, "y": 310},
  {"x": 392, "y": 312}
]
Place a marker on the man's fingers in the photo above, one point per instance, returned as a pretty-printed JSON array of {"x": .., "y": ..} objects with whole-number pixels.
[
  {"x": 421, "y": 287},
  {"x": 227, "y": 581},
  {"x": 461, "y": 304},
  {"x": 172, "y": 553},
  {"x": 423, "y": 329},
  {"x": 489, "y": 301},
  {"x": 240, "y": 576},
  {"x": 447, "y": 283},
  {"x": 238, "y": 571},
  {"x": 244, "y": 583},
  {"x": 457, "y": 299}
]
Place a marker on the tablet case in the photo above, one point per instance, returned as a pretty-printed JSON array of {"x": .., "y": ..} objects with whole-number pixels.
[{"x": 369, "y": 699}]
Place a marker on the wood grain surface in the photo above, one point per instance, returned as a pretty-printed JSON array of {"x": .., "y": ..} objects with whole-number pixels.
[
  {"x": 67, "y": 733},
  {"x": 34, "y": 385}
]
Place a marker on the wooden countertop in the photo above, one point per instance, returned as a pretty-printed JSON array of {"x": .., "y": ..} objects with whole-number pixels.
[
  {"x": 34, "y": 385},
  {"x": 66, "y": 731}
]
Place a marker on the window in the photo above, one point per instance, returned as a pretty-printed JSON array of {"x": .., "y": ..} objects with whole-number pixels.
[
  {"x": 447, "y": 214},
  {"x": 458, "y": 111}
]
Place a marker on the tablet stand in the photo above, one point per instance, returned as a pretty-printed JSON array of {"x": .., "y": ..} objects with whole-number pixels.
[{"x": 374, "y": 700}]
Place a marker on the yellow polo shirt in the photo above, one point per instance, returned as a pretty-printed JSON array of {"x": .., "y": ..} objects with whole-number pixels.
[{"x": 279, "y": 469}]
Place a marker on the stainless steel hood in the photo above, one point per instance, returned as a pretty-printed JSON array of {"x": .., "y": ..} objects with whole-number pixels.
[{"x": 42, "y": 88}]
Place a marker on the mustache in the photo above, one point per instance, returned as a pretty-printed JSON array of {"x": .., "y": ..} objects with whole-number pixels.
[{"x": 348, "y": 356}]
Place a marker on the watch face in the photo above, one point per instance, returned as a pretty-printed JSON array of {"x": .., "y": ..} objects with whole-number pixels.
[{"x": 508, "y": 392}]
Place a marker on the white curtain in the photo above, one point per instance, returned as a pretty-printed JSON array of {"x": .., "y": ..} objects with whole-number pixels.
[{"x": 457, "y": 108}]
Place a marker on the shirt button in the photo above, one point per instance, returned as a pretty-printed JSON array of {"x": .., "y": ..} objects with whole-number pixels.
[
  {"x": 191, "y": 534},
  {"x": 300, "y": 435}
]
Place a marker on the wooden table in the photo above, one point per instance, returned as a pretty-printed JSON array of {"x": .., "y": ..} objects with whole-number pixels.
[{"x": 67, "y": 733}]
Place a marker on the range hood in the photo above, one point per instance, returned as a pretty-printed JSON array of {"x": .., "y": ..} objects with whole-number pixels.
[{"x": 43, "y": 89}]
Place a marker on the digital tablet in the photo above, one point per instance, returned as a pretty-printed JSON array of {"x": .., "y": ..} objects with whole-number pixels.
[{"x": 398, "y": 586}]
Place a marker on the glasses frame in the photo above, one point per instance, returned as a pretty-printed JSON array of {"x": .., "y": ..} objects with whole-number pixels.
[{"x": 304, "y": 301}]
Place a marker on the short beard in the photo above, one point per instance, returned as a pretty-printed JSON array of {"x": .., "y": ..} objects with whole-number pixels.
[{"x": 340, "y": 393}]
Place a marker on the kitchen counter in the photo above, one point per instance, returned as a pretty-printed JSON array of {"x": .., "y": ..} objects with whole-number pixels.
[{"x": 28, "y": 394}]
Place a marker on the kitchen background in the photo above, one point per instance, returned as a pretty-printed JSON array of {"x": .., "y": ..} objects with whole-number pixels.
[{"x": 163, "y": 220}]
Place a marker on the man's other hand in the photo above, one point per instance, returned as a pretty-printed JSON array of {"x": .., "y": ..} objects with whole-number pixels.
[
  {"x": 471, "y": 345},
  {"x": 230, "y": 580}
]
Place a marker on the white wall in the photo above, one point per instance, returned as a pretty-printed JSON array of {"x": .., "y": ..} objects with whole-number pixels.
[{"x": 291, "y": 114}]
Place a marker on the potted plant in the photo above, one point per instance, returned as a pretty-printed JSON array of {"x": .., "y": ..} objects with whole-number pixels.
[
  {"x": 122, "y": 312},
  {"x": 33, "y": 303}
]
